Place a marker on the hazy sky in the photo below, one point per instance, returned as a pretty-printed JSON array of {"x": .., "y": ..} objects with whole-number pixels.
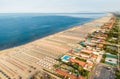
[{"x": 47, "y": 6}]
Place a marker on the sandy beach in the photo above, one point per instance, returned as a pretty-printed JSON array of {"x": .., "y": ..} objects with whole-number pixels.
[{"x": 20, "y": 59}]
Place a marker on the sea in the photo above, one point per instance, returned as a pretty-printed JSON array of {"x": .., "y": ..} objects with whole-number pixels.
[{"x": 20, "y": 28}]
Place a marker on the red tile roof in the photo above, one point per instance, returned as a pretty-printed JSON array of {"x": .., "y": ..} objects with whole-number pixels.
[
  {"x": 94, "y": 56},
  {"x": 86, "y": 51},
  {"x": 61, "y": 72},
  {"x": 89, "y": 64},
  {"x": 81, "y": 63},
  {"x": 100, "y": 45}
]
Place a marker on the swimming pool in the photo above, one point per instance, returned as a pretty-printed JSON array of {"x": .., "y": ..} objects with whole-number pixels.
[{"x": 66, "y": 57}]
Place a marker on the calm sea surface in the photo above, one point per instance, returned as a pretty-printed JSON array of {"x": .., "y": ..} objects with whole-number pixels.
[{"x": 17, "y": 29}]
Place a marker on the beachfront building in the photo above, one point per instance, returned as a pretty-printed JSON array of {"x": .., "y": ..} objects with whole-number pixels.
[
  {"x": 108, "y": 25},
  {"x": 86, "y": 51},
  {"x": 96, "y": 41},
  {"x": 81, "y": 63},
  {"x": 93, "y": 58},
  {"x": 67, "y": 58},
  {"x": 86, "y": 65},
  {"x": 96, "y": 53},
  {"x": 68, "y": 75}
]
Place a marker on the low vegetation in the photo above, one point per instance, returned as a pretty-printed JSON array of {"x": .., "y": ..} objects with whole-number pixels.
[
  {"x": 112, "y": 39},
  {"x": 103, "y": 58},
  {"x": 81, "y": 59},
  {"x": 74, "y": 68},
  {"x": 110, "y": 49},
  {"x": 117, "y": 73}
]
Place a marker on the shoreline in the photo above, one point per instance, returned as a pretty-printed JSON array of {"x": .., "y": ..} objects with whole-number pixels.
[
  {"x": 41, "y": 54},
  {"x": 57, "y": 33},
  {"x": 37, "y": 35}
]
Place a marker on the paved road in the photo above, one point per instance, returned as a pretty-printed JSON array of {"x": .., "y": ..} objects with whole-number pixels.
[
  {"x": 101, "y": 71},
  {"x": 98, "y": 59}
]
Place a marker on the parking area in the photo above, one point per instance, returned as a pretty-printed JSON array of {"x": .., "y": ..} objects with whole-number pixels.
[{"x": 102, "y": 71}]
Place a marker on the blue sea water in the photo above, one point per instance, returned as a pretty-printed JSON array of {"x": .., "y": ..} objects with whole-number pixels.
[{"x": 17, "y": 29}]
